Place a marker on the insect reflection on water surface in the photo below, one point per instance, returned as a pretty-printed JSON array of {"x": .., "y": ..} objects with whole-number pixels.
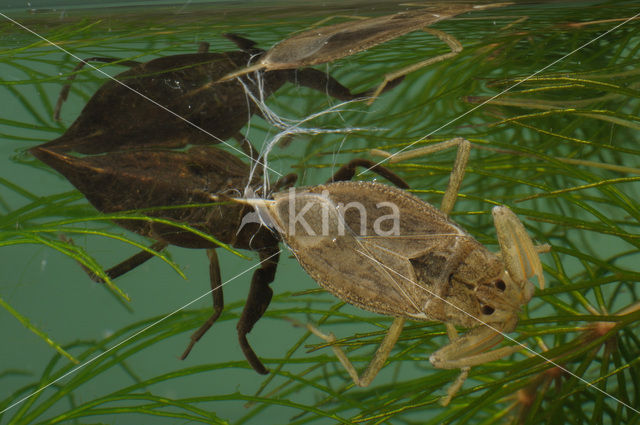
[{"x": 132, "y": 129}]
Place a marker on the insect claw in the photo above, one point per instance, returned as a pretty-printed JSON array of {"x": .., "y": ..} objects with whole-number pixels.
[{"x": 516, "y": 247}]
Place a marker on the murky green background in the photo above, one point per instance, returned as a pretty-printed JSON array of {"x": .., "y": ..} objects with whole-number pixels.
[{"x": 568, "y": 117}]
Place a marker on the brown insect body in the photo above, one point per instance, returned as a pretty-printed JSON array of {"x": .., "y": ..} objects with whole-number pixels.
[
  {"x": 386, "y": 251},
  {"x": 156, "y": 180},
  {"x": 143, "y": 179},
  {"x": 332, "y": 42},
  {"x": 430, "y": 270},
  {"x": 164, "y": 95},
  {"x": 134, "y": 162}
]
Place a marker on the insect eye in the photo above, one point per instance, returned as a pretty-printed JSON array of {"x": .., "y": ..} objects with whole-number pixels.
[
  {"x": 501, "y": 285},
  {"x": 487, "y": 309}
]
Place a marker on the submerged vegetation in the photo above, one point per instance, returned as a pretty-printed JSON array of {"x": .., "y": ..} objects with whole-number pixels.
[{"x": 557, "y": 144}]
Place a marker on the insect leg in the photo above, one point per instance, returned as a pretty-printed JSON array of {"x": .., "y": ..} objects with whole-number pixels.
[
  {"x": 379, "y": 358},
  {"x": 329, "y": 18},
  {"x": 64, "y": 93},
  {"x": 448, "y": 202},
  {"x": 457, "y": 172},
  {"x": 451, "y": 41},
  {"x": 134, "y": 261},
  {"x": 203, "y": 47},
  {"x": 517, "y": 250},
  {"x": 467, "y": 351},
  {"x": 257, "y": 302},
  {"x": 126, "y": 265},
  {"x": 218, "y": 301},
  {"x": 320, "y": 81},
  {"x": 242, "y": 43},
  {"x": 347, "y": 171},
  {"x": 285, "y": 182},
  {"x": 246, "y": 146}
]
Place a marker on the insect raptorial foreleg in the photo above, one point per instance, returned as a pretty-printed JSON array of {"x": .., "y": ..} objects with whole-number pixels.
[
  {"x": 451, "y": 41},
  {"x": 467, "y": 351},
  {"x": 521, "y": 259},
  {"x": 519, "y": 254},
  {"x": 517, "y": 250},
  {"x": 471, "y": 349}
]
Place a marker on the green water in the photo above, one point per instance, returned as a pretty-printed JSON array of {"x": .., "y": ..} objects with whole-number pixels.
[{"x": 584, "y": 107}]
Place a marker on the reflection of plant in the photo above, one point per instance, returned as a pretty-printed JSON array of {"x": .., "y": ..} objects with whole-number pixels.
[{"x": 558, "y": 153}]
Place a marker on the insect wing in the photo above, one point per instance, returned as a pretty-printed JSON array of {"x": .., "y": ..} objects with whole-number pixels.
[
  {"x": 157, "y": 99},
  {"x": 357, "y": 239},
  {"x": 144, "y": 179}
]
